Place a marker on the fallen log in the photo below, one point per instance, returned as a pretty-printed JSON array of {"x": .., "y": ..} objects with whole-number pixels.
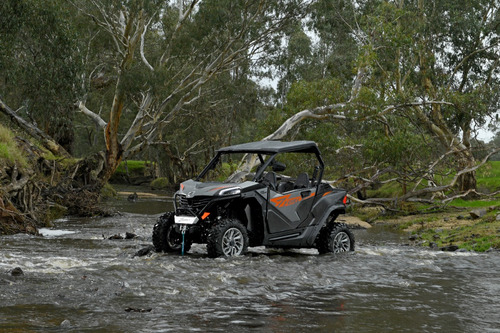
[{"x": 33, "y": 131}]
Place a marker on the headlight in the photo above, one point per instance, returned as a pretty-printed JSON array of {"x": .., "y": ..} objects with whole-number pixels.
[{"x": 230, "y": 191}]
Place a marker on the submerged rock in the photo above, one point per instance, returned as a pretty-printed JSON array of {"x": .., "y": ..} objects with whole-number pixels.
[
  {"x": 117, "y": 236},
  {"x": 16, "y": 271},
  {"x": 130, "y": 235},
  {"x": 133, "y": 197},
  {"x": 129, "y": 309},
  {"x": 144, "y": 251},
  {"x": 414, "y": 237}
]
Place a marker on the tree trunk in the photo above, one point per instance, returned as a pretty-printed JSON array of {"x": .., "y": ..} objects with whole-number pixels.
[
  {"x": 34, "y": 131},
  {"x": 114, "y": 151},
  {"x": 466, "y": 181}
]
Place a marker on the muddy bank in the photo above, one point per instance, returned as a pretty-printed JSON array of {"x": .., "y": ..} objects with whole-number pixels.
[{"x": 43, "y": 187}]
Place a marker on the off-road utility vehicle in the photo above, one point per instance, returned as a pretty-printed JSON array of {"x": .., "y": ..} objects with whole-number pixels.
[{"x": 230, "y": 211}]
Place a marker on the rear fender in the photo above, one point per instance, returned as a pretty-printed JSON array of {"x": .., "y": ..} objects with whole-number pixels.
[
  {"x": 322, "y": 219},
  {"x": 329, "y": 202},
  {"x": 305, "y": 237},
  {"x": 333, "y": 210}
]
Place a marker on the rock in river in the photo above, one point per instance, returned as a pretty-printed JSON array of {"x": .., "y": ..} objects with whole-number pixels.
[
  {"x": 16, "y": 271},
  {"x": 144, "y": 251}
]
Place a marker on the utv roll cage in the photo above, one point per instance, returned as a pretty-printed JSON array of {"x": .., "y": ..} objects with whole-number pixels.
[{"x": 270, "y": 148}]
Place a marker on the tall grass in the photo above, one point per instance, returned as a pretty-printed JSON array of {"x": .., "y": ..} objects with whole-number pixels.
[{"x": 9, "y": 152}]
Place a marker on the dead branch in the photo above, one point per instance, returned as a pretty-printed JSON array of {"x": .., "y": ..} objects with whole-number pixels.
[
  {"x": 33, "y": 131},
  {"x": 15, "y": 183},
  {"x": 94, "y": 116},
  {"x": 415, "y": 195},
  {"x": 465, "y": 194}
]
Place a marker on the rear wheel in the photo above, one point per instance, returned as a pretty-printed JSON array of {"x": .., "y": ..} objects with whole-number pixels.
[
  {"x": 228, "y": 238},
  {"x": 335, "y": 238},
  {"x": 166, "y": 238}
]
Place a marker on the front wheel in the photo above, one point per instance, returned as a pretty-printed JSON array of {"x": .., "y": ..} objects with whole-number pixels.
[
  {"x": 229, "y": 238},
  {"x": 166, "y": 238},
  {"x": 335, "y": 238}
]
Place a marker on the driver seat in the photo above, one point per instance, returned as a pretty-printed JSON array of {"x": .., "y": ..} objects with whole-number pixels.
[
  {"x": 302, "y": 181},
  {"x": 270, "y": 180}
]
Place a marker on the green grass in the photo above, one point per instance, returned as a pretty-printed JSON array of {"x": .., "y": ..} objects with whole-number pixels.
[
  {"x": 420, "y": 220},
  {"x": 389, "y": 190},
  {"x": 4, "y": 150},
  {"x": 488, "y": 177},
  {"x": 474, "y": 203},
  {"x": 8, "y": 149},
  {"x": 160, "y": 183},
  {"x": 108, "y": 191},
  {"x": 478, "y": 237},
  {"x": 135, "y": 168}
]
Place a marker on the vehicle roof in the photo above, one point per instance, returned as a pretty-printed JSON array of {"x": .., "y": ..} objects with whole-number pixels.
[{"x": 271, "y": 147}]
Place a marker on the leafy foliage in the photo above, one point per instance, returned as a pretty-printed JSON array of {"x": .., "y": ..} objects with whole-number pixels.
[
  {"x": 428, "y": 77},
  {"x": 39, "y": 61}
]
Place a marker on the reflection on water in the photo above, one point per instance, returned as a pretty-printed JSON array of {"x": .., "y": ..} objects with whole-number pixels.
[
  {"x": 79, "y": 280},
  {"x": 148, "y": 202}
]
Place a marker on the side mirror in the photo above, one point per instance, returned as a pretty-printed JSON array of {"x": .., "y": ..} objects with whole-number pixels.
[{"x": 279, "y": 167}]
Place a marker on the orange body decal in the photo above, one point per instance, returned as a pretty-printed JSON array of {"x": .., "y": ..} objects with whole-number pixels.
[
  {"x": 285, "y": 200},
  {"x": 218, "y": 188}
]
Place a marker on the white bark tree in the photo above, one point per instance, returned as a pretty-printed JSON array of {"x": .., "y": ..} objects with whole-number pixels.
[{"x": 129, "y": 29}]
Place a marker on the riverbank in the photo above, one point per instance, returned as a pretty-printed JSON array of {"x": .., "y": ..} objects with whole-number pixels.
[
  {"x": 37, "y": 187},
  {"x": 456, "y": 228}
]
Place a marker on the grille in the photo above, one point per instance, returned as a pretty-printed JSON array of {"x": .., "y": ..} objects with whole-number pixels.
[{"x": 195, "y": 204}]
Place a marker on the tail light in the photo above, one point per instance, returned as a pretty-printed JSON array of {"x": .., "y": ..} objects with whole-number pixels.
[{"x": 344, "y": 201}]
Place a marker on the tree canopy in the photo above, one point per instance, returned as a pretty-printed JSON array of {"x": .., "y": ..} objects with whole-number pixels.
[{"x": 391, "y": 90}]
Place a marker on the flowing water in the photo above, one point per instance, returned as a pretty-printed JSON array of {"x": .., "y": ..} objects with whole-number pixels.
[{"x": 76, "y": 279}]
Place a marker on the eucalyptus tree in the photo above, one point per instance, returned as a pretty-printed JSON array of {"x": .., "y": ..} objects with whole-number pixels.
[
  {"x": 39, "y": 61},
  {"x": 161, "y": 57},
  {"x": 433, "y": 64}
]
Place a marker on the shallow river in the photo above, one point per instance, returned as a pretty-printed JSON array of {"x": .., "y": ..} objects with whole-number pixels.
[{"x": 76, "y": 279}]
